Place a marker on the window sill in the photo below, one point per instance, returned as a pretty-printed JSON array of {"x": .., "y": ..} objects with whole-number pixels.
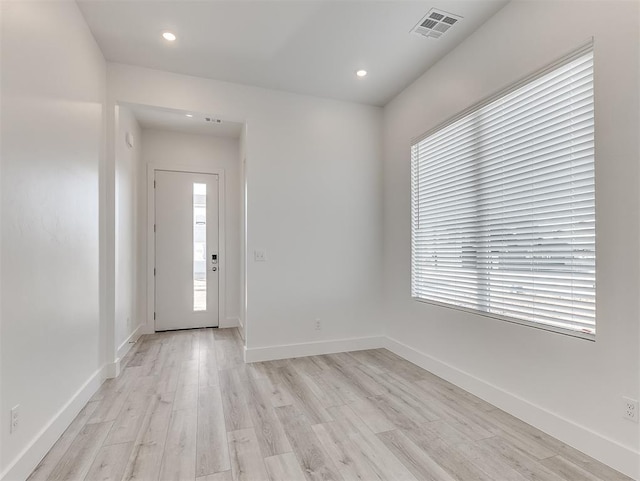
[{"x": 588, "y": 336}]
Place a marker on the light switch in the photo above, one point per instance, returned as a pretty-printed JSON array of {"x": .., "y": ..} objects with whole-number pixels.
[{"x": 259, "y": 256}]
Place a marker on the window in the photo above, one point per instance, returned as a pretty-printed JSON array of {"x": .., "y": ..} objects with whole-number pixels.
[
  {"x": 199, "y": 247},
  {"x": 503, "y": 204}
]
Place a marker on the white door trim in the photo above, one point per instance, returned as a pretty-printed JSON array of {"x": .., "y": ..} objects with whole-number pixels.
[{"x": 151, "y": 248}]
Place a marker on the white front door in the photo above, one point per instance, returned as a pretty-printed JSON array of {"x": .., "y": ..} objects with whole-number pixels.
[{"x": 186, "y": 249}]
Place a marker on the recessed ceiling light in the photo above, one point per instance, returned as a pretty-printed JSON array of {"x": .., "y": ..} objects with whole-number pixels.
[
  {"x": 361, "y": 73},
  {"x": 169, "y": 36},
  {"x": 189, "y": 115}
]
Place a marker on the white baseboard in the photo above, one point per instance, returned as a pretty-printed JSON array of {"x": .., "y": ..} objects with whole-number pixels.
[
  {"x": 32, "y": 454},
  {"x": 129, "y": 342},
  {"x": 112, "y": 369},
  {"x": 241, "y": 331},
  {"x": 147, "y": 328},
  {"x": 288, "y": 351},
  {"x": 229, "y": 322},
  {"x": 608, "y": 451},
  {"x": 241, "y": 328}
]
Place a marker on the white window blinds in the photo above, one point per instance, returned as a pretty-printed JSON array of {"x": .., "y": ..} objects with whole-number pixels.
[{"x": 503, "y": 204}]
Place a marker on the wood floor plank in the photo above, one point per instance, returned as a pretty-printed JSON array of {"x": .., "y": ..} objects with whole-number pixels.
[
  {"x": 316, "y": 464},
  {"x": 53, "y": 457},
  {"x": 518, "y": 459},
  {"x": 146, "y": 456},
  {"x": 598, "y": 469},
  {"x": 228, "y": 348},
  {"x": 309, "y": 365},
  {"x": 191, "y": 344},
  {"x": 494, "y": 466},
  {"x": 567, "y": 470},
  {"x": 267, "y": 369},
  {"x": 343, "y": 380},
  {"x": 380, "y": 458},
  {"x": 108, "y": 386},
  {"x": 189, "y": 372},
  {"x": 208, "y": 365},
  {"x": 223, "y": 476},
  {"x": 233, "y": 387},
  {"x": 76, "y": 462},
  {"x": 186, "y": 397},
  {"x": 447, "y": 432},
  {"x": 179, "y": 459},
  {"x": 259, "y": 370},
  {"x": 303, "y": 396},
  {"x": 174, "y": 350},
  {"x": 473, "y": 424},
  {"x": 154, "y": 361},
  {"x": 110, "y": 462},
  {"x": 455, "y": 398},
  {"x": 367, "y": 358},
  {"x": 207, "y": 340},
  {"x": 353, "y": 466},
  {"x": 405, "y": 391},
  {"x": 336, "y": 388},
  {"x": 450, "y": 459},
  {"x": 247, "y": 463},
  {"x": 226, "y": 335},
  {"x": 326, "y": 395},
  {"x": 371, "y": 414},
  {"x": 510, "y": 423},
  {"x": 399, "y": 366},
  {"x": 277, "y": 396},
  {"x": 360, "y": 383},
  {"x": 396, "y": 410},
  {"x": 112, "y": 403},
  {"x": 127, "y": 424},
  {"x": 129, "y": 357},
  {"x": 269, "y": 431},
  {"x": 519, "y": 437},
  {"x": 415, "y": 459},
  {"x": 212, "y": 447},
  {"x": 284, "y": 467},
  {"x": 168, "y": 378},
  {"x": 141, "y": 355}
]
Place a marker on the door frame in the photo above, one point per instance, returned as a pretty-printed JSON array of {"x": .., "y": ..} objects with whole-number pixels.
[{"x": 151, "y": 245}]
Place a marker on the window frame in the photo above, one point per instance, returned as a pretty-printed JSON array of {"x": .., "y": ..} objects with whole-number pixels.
[{"x": 575, "y": 54}]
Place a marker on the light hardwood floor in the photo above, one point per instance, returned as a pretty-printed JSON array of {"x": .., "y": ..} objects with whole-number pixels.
[{"x": 187, "y": 408}]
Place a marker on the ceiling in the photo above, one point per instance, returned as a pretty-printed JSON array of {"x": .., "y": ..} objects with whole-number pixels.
[
  {"x": 310, "y": 47},
  {"x": 177, "y": 120}
]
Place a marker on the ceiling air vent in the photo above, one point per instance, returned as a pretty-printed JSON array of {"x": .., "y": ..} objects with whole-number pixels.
[{"x": 435, "y": 23}]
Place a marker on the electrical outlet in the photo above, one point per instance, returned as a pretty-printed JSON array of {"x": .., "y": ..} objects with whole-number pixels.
[
  {"x": 630, "y": 409},
  {"x": 15, "y": 418},
  {"x": 318, "y": 325},
  {"x": 259, "y": 256}
]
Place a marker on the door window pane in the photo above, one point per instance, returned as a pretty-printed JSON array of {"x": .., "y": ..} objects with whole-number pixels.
[{"x": 199, "y": 247}]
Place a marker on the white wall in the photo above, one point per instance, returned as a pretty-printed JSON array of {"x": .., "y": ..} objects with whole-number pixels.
[
  {"x": 313, "y": 202},
  {"x": 127, "y": 314},
  {"x": 545, "y": 378},
  {"x": 243, "y": 230},
  {"x": 53, "y": 86},
  {"x": 202, "y": 152}
]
